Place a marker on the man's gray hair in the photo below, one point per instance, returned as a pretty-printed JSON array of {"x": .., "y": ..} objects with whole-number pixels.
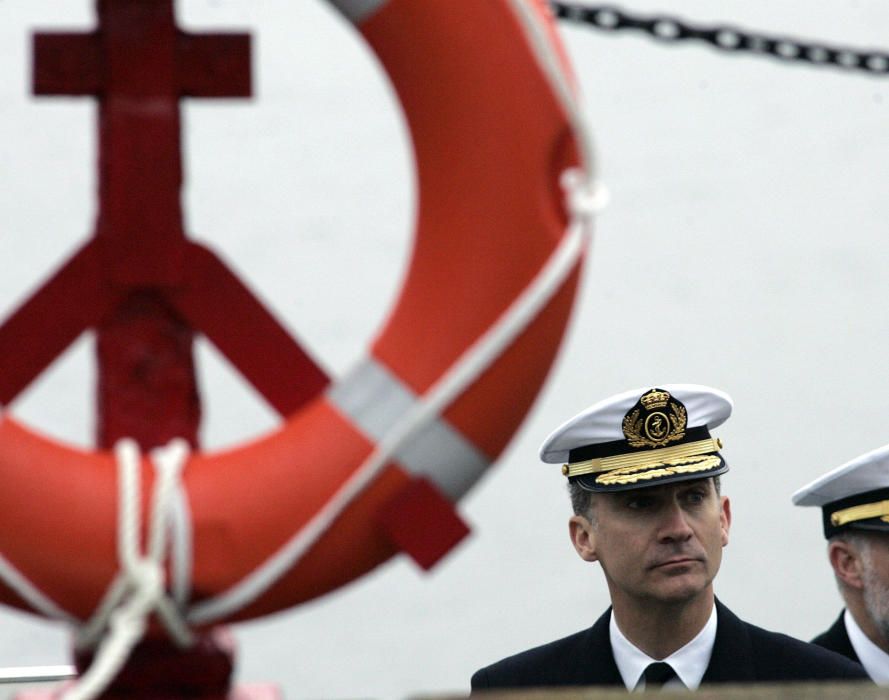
[{"x": 581, "y": 499}]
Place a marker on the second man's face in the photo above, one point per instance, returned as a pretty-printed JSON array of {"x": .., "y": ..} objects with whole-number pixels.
[{"x": 661, "y": 543}]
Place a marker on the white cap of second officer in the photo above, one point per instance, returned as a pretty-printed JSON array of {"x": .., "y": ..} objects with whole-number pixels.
[{"x": 854, "y": 496}]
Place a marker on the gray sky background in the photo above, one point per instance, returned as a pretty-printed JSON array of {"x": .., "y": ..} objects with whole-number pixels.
[{"x": 744, "y": 247}]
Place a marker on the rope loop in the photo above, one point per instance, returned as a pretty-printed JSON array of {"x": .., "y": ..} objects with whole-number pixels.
[
  {"x": 584, "y": 197},
  {"x": 139, "y": 589}
]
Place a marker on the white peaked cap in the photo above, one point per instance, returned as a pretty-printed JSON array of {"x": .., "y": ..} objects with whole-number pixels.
[
  {"x": 854, "y": 496},
  {"x": 869, "y": 472},
  {"x": 645, "y": 437},
  {"x": 602, "y": 422}
]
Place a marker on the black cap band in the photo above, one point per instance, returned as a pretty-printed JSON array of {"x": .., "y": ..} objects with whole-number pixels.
[
  {"x": 619, "y": 447},
  {"x": 872, "y": 524}
]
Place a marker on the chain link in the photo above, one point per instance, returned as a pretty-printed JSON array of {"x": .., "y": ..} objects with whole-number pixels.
[{"x": 724, "y": 37}]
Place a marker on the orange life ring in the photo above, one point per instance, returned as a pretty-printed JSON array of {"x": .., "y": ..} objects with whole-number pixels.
[{"x": 492, "y": 134}]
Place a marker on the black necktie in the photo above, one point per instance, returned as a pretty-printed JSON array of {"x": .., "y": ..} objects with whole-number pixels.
[{"x": 657, "y": 674}]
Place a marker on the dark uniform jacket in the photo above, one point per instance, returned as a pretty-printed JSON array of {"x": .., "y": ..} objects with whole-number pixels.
[
  {"x": 742, "y": 653},
  {"x": 837, "y": 639}
]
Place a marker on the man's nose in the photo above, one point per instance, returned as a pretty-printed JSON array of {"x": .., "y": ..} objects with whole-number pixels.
[{"x": 675, "y": 527}]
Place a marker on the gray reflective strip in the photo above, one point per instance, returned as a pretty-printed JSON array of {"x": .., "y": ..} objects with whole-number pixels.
[
  {"x": 375, "y": 400},
  {"x": 358, "y": 10}
]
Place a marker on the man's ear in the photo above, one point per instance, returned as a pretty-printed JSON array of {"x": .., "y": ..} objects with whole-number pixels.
[
  {"x": 583, "y": 537},
  {"x": 846, "y": 561},
  {"x": 725, "y": 519}
]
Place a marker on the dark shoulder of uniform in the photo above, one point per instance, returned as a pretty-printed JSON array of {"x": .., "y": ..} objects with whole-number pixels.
[
  {"x": 779, "y": 657},
  {"x": 557, "y": 663},
  {"x": 836, "y": 638}
]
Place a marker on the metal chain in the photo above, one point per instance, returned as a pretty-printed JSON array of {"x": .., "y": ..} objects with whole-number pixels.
[{"x": 724, "y": 37}]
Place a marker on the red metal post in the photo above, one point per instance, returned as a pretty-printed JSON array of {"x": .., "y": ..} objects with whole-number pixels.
[
  {"x": 141, "y": 284},
  {"x": 139, "y": 65},
  {"x": 147, "y": 385}
]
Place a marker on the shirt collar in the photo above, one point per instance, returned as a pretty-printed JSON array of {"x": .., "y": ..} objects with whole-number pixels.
[
  {"x": 690, "y": 662},
  {"x": 874, "y": 659}
]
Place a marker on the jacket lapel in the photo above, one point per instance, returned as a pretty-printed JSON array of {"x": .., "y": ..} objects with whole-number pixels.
[
  {"x": 732, "y": 658},
  {"x": 837, "y": 639},
  {"x": 594, "y": 659}
]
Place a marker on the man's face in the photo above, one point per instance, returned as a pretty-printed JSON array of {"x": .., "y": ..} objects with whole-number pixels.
[
  {"x": 875, "y": 578},
  {"x": 662, "y": 543}
]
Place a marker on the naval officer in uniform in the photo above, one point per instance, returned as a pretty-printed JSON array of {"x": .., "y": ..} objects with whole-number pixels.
[
  {"x": 643, "y": 472},
  {"x": 854, "y": 502}
]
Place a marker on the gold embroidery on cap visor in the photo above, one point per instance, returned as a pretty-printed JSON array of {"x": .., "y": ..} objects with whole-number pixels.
[
  {"x": 866, "y": 511},
  {"x": 633, "y": 475},
  {"x": 643, "y": 459}
]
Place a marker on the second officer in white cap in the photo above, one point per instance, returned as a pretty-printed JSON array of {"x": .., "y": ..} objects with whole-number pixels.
[
  {"x": 643, "y": 472},
  {"x": 854, "y": 502}
]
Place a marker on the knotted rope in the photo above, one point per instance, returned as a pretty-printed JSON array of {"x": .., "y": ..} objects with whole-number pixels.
[{"x": 139, "y": 588}]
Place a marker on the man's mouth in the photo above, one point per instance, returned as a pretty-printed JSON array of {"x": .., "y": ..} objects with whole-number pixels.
[{"x": 676, "y": 561}]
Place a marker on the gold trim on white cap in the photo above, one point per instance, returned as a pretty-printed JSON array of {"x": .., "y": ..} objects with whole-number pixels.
[
  {"x": 633, "y": 475},
  {"x": 865, "y": 511},
  {"x": 640, "y": 459}
]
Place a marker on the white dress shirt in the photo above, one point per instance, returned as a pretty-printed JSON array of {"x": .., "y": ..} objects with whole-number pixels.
[
  {"x": 874, "y": 659},
  {"x": 690, "y": 662}
]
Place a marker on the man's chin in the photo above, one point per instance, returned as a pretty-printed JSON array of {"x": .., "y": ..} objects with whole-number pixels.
[{"x": 680, "y": 589}]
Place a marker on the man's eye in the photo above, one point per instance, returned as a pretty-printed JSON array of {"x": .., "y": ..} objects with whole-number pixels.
[
  {"x": 696, "y": 497},
  {"x": 639, "y": 503}
]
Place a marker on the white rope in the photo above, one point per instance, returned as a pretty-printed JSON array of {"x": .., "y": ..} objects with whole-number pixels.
[
  {"x": 472, "y": 363},
  {"x": 181, "y": 547},
  {"x": 583, "y": 198},
  {"x": 139, "y": 587},
  {"x": 32, "y": 595},
  {"x": 551, "y": 64}
]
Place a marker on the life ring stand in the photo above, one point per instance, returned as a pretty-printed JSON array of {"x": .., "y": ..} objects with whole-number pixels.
[{"x": 290, "y": 516}]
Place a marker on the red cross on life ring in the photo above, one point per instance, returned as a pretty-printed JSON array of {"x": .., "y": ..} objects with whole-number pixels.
[{"x": 358, "y": 473}]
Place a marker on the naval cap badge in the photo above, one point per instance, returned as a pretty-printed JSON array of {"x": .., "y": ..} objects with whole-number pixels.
[{"x": 656, "y": 420}]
